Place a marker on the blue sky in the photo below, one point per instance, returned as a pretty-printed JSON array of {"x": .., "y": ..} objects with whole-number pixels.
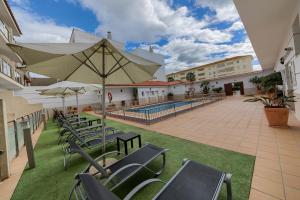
[{"x": 187, "y": 32}]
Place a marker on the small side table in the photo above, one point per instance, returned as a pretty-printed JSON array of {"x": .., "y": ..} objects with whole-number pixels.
[{"x": 128, "y": 137}]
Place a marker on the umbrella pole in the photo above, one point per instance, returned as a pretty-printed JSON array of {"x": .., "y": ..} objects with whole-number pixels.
[
  {"x": 77, "y": 106},
  {"x": 103, "y": 103},
  {"x": 63, "y": 101}
]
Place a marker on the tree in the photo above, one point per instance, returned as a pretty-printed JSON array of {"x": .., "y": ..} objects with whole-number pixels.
[
  {"x": 205, "y": 87},
  {"x": 270, "y": 82},
  {"x": 170, "y": 79},
  {"x": 191, "y": 78},
  {"x": 256, "y": 81}
]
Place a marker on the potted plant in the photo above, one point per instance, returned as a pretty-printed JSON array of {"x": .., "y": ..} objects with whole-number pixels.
[
  {"x": 205, "y": 87},
  {"x": 276, "y": 108},
  {"x": 170, "y": 96},
  {"x": 217, "y": 90}
]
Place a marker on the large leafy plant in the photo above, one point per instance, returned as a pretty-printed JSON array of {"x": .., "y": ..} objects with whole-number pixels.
[
  {"x": 274, "y": 102},
  {"x": 270, "y": 81}
]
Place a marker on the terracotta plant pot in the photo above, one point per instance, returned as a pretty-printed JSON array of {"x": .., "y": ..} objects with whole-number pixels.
[{"x": 277, "y": 117}]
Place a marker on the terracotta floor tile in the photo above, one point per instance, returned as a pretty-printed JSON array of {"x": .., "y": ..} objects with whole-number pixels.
[
  {"x": 269, "y": 187},
  {"x": 292, "y": 194},
  {"x": 267, "y": 155},
  {"x": 289, "y": 160},
  {"x": 270, "y": 164},
  {"x": 257, "y": 195},
  {"x": 272, "y": 175},
  {"x": 291, "y": 181},
  {"x": 291, "y": 169}
]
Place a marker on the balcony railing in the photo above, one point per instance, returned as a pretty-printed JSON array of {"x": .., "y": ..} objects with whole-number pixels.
[
  {"x": 5, "y": 31},
  {"x": 10, "y": 72}
]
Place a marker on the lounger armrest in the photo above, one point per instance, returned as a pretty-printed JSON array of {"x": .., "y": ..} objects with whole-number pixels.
[
  {"x": 120, "y": 170},
  {"x": 139, "y": 187}
]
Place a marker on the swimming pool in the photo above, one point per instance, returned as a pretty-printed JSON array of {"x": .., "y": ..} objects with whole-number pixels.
[{"x": 159, "y": 107}]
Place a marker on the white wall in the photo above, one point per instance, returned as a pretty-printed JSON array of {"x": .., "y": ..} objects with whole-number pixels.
[
  {"x": 33, "y": 97},
  {"x": 293, "y": 56},
  {"x": 242, "y": 78},
  {"x": 92, "y": 97},
  {"x": 152, "y": 94}
]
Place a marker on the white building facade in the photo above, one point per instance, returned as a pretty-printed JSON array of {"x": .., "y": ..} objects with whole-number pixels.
[{"x": 274, "y": 31}]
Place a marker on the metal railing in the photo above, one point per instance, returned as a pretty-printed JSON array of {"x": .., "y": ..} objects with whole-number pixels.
[
  {"x": 15, "y": 132},
  {"x": 164, "y": 110}
]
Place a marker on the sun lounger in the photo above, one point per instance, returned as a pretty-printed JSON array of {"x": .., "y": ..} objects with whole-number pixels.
[
  {"x": 194, "y": 181},
  {"x": 120, "y": 171},
  {"x": 87, "y": 141}
]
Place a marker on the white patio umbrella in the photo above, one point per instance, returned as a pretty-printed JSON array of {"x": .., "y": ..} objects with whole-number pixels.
[
  {"x": 78, "y": 88},
  {"x": 63, "y": 92},
  {"x": 101, "y": 62}
]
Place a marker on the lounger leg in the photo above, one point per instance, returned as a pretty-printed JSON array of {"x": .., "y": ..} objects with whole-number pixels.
[
  {"x": 118, "y": 146},
  {"x": 126, "y": 149},
  {"x": 162, "y": 166},
  {"x": 228, "y": 186}
]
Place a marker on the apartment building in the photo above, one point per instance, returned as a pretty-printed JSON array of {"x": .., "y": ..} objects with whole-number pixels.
[
  {"x": 14, "y": 110},
  {"x": 223, "y": 68},
  {"x": 10, "y": 76}
]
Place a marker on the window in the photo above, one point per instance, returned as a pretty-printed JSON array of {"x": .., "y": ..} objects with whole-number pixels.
[
  {"x": 229, "y": 63},
  {"x": 201, "y": 74},
  {"x": 4, "y": 30},
  {"x": 201, "y": 69},
  {"x": 290, "y": 73},
  {"x": 221, "y": 65},
  {"x": 228, "y": 69},
  {"x": 6, "y": 68},
  {"x": 237, "y": 61}
]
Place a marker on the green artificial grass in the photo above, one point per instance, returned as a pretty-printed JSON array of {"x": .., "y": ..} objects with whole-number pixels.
[{"x": 49, "y": 180}]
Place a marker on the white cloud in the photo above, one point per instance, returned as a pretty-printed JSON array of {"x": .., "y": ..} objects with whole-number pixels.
[
  {"x": 190, "y": 41},
  {"x": 225, "y": 9},
  {"x": 183, "y": 53},
  {"x": 39, "y": 29},
  {"x": 150, "y": 20},
  {"x": 236, "y": 26}
]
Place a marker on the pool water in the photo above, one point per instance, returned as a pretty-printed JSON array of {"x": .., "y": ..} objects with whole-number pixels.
[{"x": 159, "y": 107}]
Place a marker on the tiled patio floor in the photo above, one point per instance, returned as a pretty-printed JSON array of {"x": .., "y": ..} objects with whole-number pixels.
[{"x": 235, "y": 125}]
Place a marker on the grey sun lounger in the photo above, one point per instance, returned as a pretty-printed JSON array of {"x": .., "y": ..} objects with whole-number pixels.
[
  {"x": 119, "y": 172},
  {"x": 86, "y": 141},
  {"x": 90, "y": 129},
  {"x": 194, "y": 181}
]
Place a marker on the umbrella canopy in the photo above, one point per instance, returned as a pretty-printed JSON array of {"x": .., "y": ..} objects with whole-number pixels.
[
  {"x": 63, "y": 92},
  {"x": 102, "y": 62}
]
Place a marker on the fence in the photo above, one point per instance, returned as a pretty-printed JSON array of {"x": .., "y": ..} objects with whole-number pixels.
[
  {"x": 15, "y": 132},
  {"x": 156, "y": 113}
]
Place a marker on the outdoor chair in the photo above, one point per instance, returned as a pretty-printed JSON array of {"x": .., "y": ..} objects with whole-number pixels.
[
  {"x": 86, "y": 141},
  {"x": 194, "y": 181},
  {"x": 117, "y": 173}
]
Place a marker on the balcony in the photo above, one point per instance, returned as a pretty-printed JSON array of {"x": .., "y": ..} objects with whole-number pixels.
[
  {"x": 6, "y": 33},
  {"x": 10, "y": 78}
]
